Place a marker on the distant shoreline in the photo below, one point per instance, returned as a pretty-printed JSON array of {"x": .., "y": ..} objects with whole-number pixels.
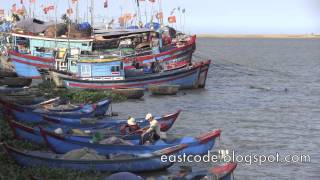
[{"x": 278, "y": 36}]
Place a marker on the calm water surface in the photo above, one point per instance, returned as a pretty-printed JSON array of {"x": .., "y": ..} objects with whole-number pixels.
[{"x": 246, "y": 97}]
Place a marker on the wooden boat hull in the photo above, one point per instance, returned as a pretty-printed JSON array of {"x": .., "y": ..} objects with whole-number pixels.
[
  {"x": 25, "y": 113},
  {"x": 166, "y": 122},
  {"x": 138, "y": 163},
  {"x": 186, "y": 78},
  {"x": 130, "y": 93},
  {"x": 33, "y": 134},
  {"x": 5, "y": 89},
  {"x": 56, "y": 77},
  {"x": 199, "y": 145},
  {"x": 15, "y": 81},
  {"x": 163, "y": 89},
  {"x": 203, "y": 74},
  {"x": 27, "y": 65},
  {"x": 4, "y": 73}
]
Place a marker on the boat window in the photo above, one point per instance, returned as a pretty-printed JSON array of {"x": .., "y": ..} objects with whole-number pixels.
[
  {"x": 84, "y": 44},
  {"x": 38, "y": 21},
  {"x": 86, "y": 70},
  {"x": 115, "y": 68}
]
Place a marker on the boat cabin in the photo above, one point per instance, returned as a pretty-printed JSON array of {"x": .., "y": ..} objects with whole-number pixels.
[{"x": 104, "y": 68}]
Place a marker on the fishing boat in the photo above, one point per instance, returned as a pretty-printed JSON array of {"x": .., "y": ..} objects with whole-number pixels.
[
  {"x": 23, "y": 131},
  {"x": 15, "y": 81},
  {"x": 128, "y": 162},
  {"x": 34, "y": 49},
  {"x": 166, "y": 121},
  {"x": 196, "y": 145},
  {"x": 188, "y": 77},
  {"x": 163, "y": 89},
  {"x": 35, "y": 113},
  {"x": 6, "y": 73},
  {"x": 129, "y": 93},
  {"x": 6, "y": 89},
  {"x": 55, "y": 76}
]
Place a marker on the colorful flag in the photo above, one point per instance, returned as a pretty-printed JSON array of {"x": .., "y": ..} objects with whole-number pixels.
[
  {"x": 159, "y": 15},
  {"x": 121, "y": 21},
  {"x": 105, "y": 4},
  {"x": 32, "y": 1},
  {"x": 1, "y": 12},
  {"x": 183, "y": 10},
  {"x": 46, "y": 10},
  {"x": 152, "y": 1},
  {"x": 21, "y": 1},
  {"x": 127, "y": 17},
  {"x": 74, "y": 1},
  {"x": 51, "y": 7},
  {"x": 172, "y": 19},
  {"x": 69, "y": 11},
  {"x": 14, "y": 8}
]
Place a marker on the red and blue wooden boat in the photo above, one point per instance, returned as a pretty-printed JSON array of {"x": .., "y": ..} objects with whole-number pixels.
[
  {"x": 22, "y": 131},
  {"x": 131, "y": 162},
  {"x": 198, "y": 145},
  {"x": 32, "y": 113},
  {"x": 193, "y": 76},
  {"x": 27, "y": 65}
]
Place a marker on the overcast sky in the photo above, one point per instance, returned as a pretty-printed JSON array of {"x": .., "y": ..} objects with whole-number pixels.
[{"x": 210, "y": 16}]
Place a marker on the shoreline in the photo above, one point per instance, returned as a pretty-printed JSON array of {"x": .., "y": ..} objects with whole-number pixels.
[{"x": 261, "y": 36}]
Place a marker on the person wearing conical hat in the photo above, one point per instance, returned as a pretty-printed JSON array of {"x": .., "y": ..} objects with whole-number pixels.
[
  {"x": 153, "y": 133},
  {"x": 130, "y": 127}
]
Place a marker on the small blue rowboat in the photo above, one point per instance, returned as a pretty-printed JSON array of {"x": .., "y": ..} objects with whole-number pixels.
[
  {"x": 112, "y": 124},
  {"x": 26, "y": 113},
  {"x": 199, "y": 145},
  {"x": 22, "y": 131},
  {"x": 131, "y": 162}
]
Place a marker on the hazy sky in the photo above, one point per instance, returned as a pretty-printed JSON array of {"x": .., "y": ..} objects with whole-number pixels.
[{"x": 212, "y": 16}]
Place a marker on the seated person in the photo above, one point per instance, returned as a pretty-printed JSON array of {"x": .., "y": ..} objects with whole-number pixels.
[
  {"x": 130, "y": 127},
  {"x": 153, "y": 133}
]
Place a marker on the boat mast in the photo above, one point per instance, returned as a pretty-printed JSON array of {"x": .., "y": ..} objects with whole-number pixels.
[
  {"x": 77, "y": 12},
  {"x": 92, "y": 16}
]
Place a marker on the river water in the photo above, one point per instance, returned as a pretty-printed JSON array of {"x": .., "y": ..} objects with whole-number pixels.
[{"x": 265, "y": 96}]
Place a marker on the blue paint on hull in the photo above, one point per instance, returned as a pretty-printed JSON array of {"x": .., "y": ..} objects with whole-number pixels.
[{"x": 26, "y": 70}]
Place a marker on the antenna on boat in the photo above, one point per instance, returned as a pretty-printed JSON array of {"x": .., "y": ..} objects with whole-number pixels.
[{"x": 56, "y": 21}]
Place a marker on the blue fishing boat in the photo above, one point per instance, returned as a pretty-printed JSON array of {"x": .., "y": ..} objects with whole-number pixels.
[
  {"x": 22, "y": 131},
  {"x": 35, "y": 113},
  {"x": 32, "y": 52},
  {"x": 193, "y": 76},
  {"x": 128, "y": 162},
  {"x": 198, "y": 145},
  {"x": 166, "y": 121}
]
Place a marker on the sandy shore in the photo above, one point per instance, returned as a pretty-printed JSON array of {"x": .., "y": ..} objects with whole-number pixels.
[{"x": 284, "y": 36}]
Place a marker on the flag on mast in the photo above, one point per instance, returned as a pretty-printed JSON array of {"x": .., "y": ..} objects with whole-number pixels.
[
  {"x": 105, "y": 4},
  {"x": 14, "y": 8},
  {"x": 172, "y": 19}
]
